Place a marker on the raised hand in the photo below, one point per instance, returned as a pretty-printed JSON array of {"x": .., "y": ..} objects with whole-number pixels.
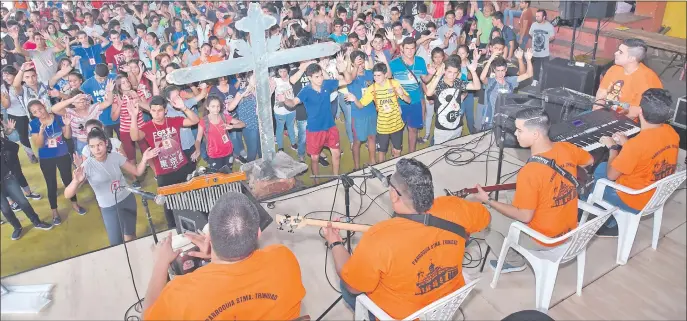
[
  {"x": 78, "y": 160},
  {"x": 529, "y": 54},
  {"x": 75, "y": 61},
  {"x": 67, "y": 119},
  {"x": 150, "y": 75},
  {"x": 431, "y": 70},
  {"x": 473, "y": 66},
  {"x": 519, "y": 53},
  {"x": 27, "y": 66},
  {"x": 133, "y": 110},
  {"x": 10, "y": 124},
  {"x": 109, "y": 87},
  {"x": 150, "y": 153},
  {"x": 78, "y": 173},
  {"x": 389, "y": 34}
]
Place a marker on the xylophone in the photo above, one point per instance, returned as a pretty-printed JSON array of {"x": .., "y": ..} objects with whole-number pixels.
[{"x": 192, "y": 201}]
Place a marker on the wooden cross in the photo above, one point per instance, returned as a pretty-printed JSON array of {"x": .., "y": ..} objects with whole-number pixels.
[{"x": 258, "y": 56}]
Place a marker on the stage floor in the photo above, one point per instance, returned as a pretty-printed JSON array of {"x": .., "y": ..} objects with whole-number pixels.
[{"x": 98, "y": 286}]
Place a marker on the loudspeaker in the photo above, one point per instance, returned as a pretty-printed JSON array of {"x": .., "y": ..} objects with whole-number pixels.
[
  {"x": 558, "y": 73},
  {"x": 507, "y": 105},
  {"x": 570, "y": 10},
  {"x": 600, "y": 9},
  {"x": 562, "y": 105}
]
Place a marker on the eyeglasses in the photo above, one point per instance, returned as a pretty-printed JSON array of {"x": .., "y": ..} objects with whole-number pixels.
[{"x": 388, "y": 180}]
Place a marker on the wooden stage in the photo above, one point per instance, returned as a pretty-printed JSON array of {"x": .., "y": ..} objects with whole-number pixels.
[{"x": 97, "y": 286}]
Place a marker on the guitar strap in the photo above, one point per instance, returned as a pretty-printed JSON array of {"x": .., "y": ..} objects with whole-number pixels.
[
  {"x": 551, "y": 163},
  {"x": 440, "y": 223}
]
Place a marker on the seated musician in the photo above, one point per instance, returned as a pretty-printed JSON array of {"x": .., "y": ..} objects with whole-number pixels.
[
  {"x": 642, "y": 160},
  {"x": 242, "y": 282},
  {"x": 403, "y": 265},
  {"x": 544, "y": 199},
  {"x": 628, "y": 79}
]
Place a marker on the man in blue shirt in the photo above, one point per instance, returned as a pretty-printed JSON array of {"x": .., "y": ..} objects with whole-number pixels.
[
  {"x": 320, "y": 131},
  {"x": 411, "y": 72},
  {"x": 506, "y": 33},
  {"x": 337, "y": 35},
  {"x": 95, "y": 87},
  {"x": 364, "y": 120},
  {"x": 90, "y": 55}
]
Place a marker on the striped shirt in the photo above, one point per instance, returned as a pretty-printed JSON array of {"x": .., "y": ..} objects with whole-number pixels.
[
  {"x": 124, "y": 116},
  {"x": 388, "y": 110}
]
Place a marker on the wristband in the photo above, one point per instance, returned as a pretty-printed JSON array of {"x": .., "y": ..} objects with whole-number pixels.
[
  {"x": 331, "y": 246},
  {"x": 615, "y": 147}
]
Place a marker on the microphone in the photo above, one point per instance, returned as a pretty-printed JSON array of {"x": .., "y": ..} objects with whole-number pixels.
[
  {"x": 378, "y": 174},
  {"x": 158, "y": 199}
]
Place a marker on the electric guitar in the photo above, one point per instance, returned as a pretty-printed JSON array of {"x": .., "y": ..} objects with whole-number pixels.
[
  {"x": 585, "y": 180},
  {"x": 297, "y": 222}
]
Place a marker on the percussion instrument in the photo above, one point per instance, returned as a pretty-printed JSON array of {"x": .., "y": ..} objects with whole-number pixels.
[{"x": 201, "y": 193}]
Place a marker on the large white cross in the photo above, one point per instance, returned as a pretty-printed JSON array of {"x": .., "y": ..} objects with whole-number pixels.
[{"x": 258, "y": 56}]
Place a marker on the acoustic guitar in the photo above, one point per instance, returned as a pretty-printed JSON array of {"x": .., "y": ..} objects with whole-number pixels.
[{"x": 297, "y": 222}]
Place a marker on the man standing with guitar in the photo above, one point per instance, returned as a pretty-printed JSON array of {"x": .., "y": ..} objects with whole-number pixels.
[
  {"x": 407, "y": 262},
  {"x": 546, "y": 188}
]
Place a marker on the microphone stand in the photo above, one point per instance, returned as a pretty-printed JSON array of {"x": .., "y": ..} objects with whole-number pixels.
[
  {"x": 347, "y": 181},
  {"x": 500, "y": 164},
  {"x": 150, "y": 219}
]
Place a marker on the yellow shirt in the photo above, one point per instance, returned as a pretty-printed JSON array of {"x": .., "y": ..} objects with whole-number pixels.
[{"x": 386, "y": 101}]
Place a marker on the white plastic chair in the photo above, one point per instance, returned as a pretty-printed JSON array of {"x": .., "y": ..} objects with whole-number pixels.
[
  {"x": 628, "y": 223},
  {"x": 545, "y": 262},
  {"x": 442, "y": 309}
]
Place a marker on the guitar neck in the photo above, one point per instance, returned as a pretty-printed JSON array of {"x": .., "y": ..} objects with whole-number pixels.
[
  {"x": 342, "y": 226},
  {"x": 492, "y": 188}
]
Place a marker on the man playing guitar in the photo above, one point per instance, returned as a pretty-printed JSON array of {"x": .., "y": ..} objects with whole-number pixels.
[
  {"x": 544, "y": 199},
  {"x": 402, "y": 264}
]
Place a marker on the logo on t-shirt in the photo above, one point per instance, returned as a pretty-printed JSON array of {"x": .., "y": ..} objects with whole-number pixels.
[
  {"x": 615, "y": 91},
  {"x": 662, "y": 170},
  {"x": 435, "y": 277},
  {"x": 539, "y": 40},
  {"x": 563, "y": 194}
]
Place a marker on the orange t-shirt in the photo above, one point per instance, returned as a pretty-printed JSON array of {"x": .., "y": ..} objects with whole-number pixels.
[
  {"x": 21, "y": 4},
  {"x": 629, "y": 88},
  {"x": 266, "y": 286},
  {"x": 210, "y": 59},
  {"x": 552, "y": 197},
  {"x": 644, "y": 160},
  {"x": 404, "y": 266}
]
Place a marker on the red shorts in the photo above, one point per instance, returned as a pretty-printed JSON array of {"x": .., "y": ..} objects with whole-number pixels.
[{"x": 315, "y": 141}]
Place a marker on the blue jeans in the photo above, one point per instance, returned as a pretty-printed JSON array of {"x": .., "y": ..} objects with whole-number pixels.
[
  {"x": 469, "y": 108},
  {"x": 610, "y": 194},
  {"x": 252, "y": 138},
  {"x": 301, "y": 137},
  {"x": 287, "y": 120},
  {"x": 79, "y": 145},
  {"x": 345, "y": 107},
  {"x": 511, "y": 13},
  {"x": 9, "y": 187},
  {"x": 349, "y": 298},
  {"x": 236, "y": 142},
  {"x": 522, "y": 42}
]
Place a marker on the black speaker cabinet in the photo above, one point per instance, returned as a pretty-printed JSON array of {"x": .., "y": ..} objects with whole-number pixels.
[
  {"x": 571, "y": 9},
  {"x": 680, "y": 116},
  {"x": 600, "y": 9},
  {"x": 507, "y": 105},
  {"x": 558, "y": 73}
]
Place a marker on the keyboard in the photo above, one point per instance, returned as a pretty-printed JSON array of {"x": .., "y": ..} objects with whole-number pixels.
[{"x": 586, "y": 129}]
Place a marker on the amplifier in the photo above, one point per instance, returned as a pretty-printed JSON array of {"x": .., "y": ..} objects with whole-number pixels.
[
  {"x": 507, "y": 105},
  {"x": 680, "y": 116},
  {"x": 558, "y": 73}
]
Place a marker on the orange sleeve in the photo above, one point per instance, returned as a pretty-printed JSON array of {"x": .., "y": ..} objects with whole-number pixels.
[
  {"x": 628, "y": 158},
  {"x": 652, "y": 80},
  {"x": 360, "y": 272},
  {"x": 164, "y": 307},
  {"x": 526, "y": 189},
  {"x": 581, "y": 156},
  {"x": 475, "y": 218}
]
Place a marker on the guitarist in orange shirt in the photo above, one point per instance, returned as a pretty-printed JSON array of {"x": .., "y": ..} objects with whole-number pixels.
[{"x": 545, "y": 199}]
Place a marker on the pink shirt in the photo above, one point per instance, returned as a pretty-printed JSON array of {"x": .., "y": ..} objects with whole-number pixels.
[{"x": 219, "y": 144}]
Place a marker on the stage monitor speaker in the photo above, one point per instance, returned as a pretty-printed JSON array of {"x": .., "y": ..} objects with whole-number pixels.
[
  {"x": 600, "y": 9},
  {"x": 558, "y": 73},
  {"x": 562, "y": 105},
  {"x": 507, "y": 105}
]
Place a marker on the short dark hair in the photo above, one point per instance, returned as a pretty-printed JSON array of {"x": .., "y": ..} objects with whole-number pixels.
[
  {"x": 158, "y": 100},
  {"x": 409, "y": 19},
  {"x": 497, "y": 41},
  {"x": 381, "y": 67},
  {"x": 113, "y": 31},
  {"x": 528, "y": 3},
  {"x": 358, "y": 53},
  {"x": 408, "y": 41},
  {"x": 94, "y": 122},
  {"x": 141, "y": 26},
  {"x": 452, "y": 62},
  {"x": 353, "y": 36},
  {"x": 414, "y": 179},
  {"x": 656, "y": 105},
  {"x": 167, "y": 92},
  {"x": 338, "y": 22},
  {"x": 234, "y": 224},
  {"x": 422, "y": 8},
  {"x": 536, "y": 118},
  {"x": 498, "y": 15},
  {"x": 499, "y": 62},
  {"x": 312, "y": 69},
  {"x": 431, "y": 24},
  {"x": 396, "y": 24},
  {"x": 543, "y": 12},
  {"x": 379, "y": 17},
  {"x": 636, "y": 48}
]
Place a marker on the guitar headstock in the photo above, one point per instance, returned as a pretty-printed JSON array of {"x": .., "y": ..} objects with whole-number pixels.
[
  {"x": 462, "y": 193},
  {"x": 289, "y": 221}
]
